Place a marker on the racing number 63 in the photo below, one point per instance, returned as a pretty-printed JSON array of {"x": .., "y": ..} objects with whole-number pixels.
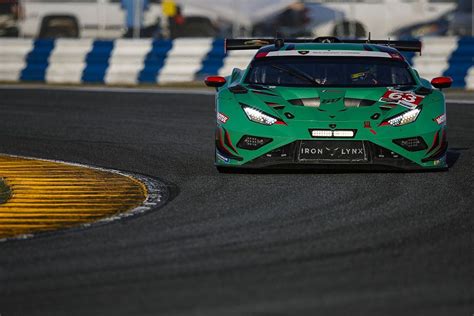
[{"x": 401, "y": 97}]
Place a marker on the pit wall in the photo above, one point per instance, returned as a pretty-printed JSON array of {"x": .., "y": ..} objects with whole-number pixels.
[{"x": 146, "y": 61}]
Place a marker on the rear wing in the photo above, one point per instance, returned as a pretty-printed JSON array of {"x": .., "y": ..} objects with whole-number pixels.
[{"x": 256, "y": 43}]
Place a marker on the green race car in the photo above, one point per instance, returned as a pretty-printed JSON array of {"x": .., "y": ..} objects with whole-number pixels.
[{"x": 329, "y": 103}]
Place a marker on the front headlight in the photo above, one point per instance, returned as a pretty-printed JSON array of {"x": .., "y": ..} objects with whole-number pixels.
[
  {"x": 402, "y": 119},
  {"x": 261, "y": 117}
]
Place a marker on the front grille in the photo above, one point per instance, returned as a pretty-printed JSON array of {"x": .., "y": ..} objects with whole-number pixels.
[{"x": 372, "y": 154}]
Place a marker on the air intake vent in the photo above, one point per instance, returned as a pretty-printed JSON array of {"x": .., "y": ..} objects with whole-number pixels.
[
  {"x": 411, "y": 144},
  {"x": 253, "y": 142},
  {"x": 314, "y": 102},
  {"x": 350, "y": 102}
]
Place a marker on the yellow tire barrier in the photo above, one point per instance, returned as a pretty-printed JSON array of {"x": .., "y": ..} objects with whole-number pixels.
[{"x": 47, "y": 195}]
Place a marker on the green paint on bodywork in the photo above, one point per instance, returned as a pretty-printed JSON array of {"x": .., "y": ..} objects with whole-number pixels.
[{"x": 328, "y": 114}]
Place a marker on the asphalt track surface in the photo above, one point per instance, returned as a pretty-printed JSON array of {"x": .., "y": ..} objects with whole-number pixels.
[{"x": 234, "y": 244}]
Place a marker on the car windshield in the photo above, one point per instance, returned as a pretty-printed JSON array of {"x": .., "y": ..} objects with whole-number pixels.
[{"x": 329, "y": 71}]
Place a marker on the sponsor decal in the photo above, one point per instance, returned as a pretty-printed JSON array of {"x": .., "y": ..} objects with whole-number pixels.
[
  {"x": 406, "y": 99},
  {"x": 256, "y": 42},
  {"x": 325, "y": 101},
  {"x": 221, "y": 117},
  {"x": 396, "y": 56},
  {"x": 440, "y": 119},
  {"x": 224, "y": 159},
  {"x": 333, "y": 151}
]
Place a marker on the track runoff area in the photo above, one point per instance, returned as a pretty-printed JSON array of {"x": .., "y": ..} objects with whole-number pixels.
[{"x": 291, "y": 243}]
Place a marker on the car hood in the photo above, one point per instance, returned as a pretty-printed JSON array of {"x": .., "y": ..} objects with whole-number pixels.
[{"x": 329, "y": 104}]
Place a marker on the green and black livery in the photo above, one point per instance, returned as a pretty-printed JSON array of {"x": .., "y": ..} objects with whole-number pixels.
[{"x": 329, "y": 103}]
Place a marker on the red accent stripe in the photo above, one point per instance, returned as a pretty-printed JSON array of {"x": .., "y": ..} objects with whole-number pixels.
[
  {"x": 442, "y": 147},
  {"x": 373, "y": 132},
  {"x": 229, "y": 143},
  {"x": 435, "y": 142},
  {"x": 280, "y": 123},
  {"x": 222, "y": 146}
]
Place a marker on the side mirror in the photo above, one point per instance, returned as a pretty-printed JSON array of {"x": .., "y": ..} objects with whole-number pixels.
[
  {"x": 442, "y": 82},
  {"x": 215, "y": 81}
]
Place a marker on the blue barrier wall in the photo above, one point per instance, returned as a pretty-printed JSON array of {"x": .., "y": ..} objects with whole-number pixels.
[{"x": 37, "y": 61}]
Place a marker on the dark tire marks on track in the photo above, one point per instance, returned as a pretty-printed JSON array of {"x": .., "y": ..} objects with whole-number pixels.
[{"x": 326, "y": 244}]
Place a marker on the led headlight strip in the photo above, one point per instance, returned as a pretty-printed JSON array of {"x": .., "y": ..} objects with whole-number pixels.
[
  {"x": 330, "y": 133},
  {"x": 258, "y": 116},
  {"x": 402, "y": 119}
]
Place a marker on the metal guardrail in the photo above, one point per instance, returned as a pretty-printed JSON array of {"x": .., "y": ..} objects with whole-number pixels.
[{"x": 128, "y": 61}]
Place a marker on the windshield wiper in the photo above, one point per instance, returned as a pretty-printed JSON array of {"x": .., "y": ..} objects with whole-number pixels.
[{"x": 298, "y": 74}]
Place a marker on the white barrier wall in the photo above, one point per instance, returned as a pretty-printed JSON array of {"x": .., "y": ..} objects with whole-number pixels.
[
  {"x": 435, "y": 55},
  {"x": 13, "y": 54},
  {"x": 127, "y": 60},
  {"x": 470, "y": 79},
  {"x": 184, "y": 60},
  {"x": 236, "y": 59},
  {"x": 67, "y": 61}
]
